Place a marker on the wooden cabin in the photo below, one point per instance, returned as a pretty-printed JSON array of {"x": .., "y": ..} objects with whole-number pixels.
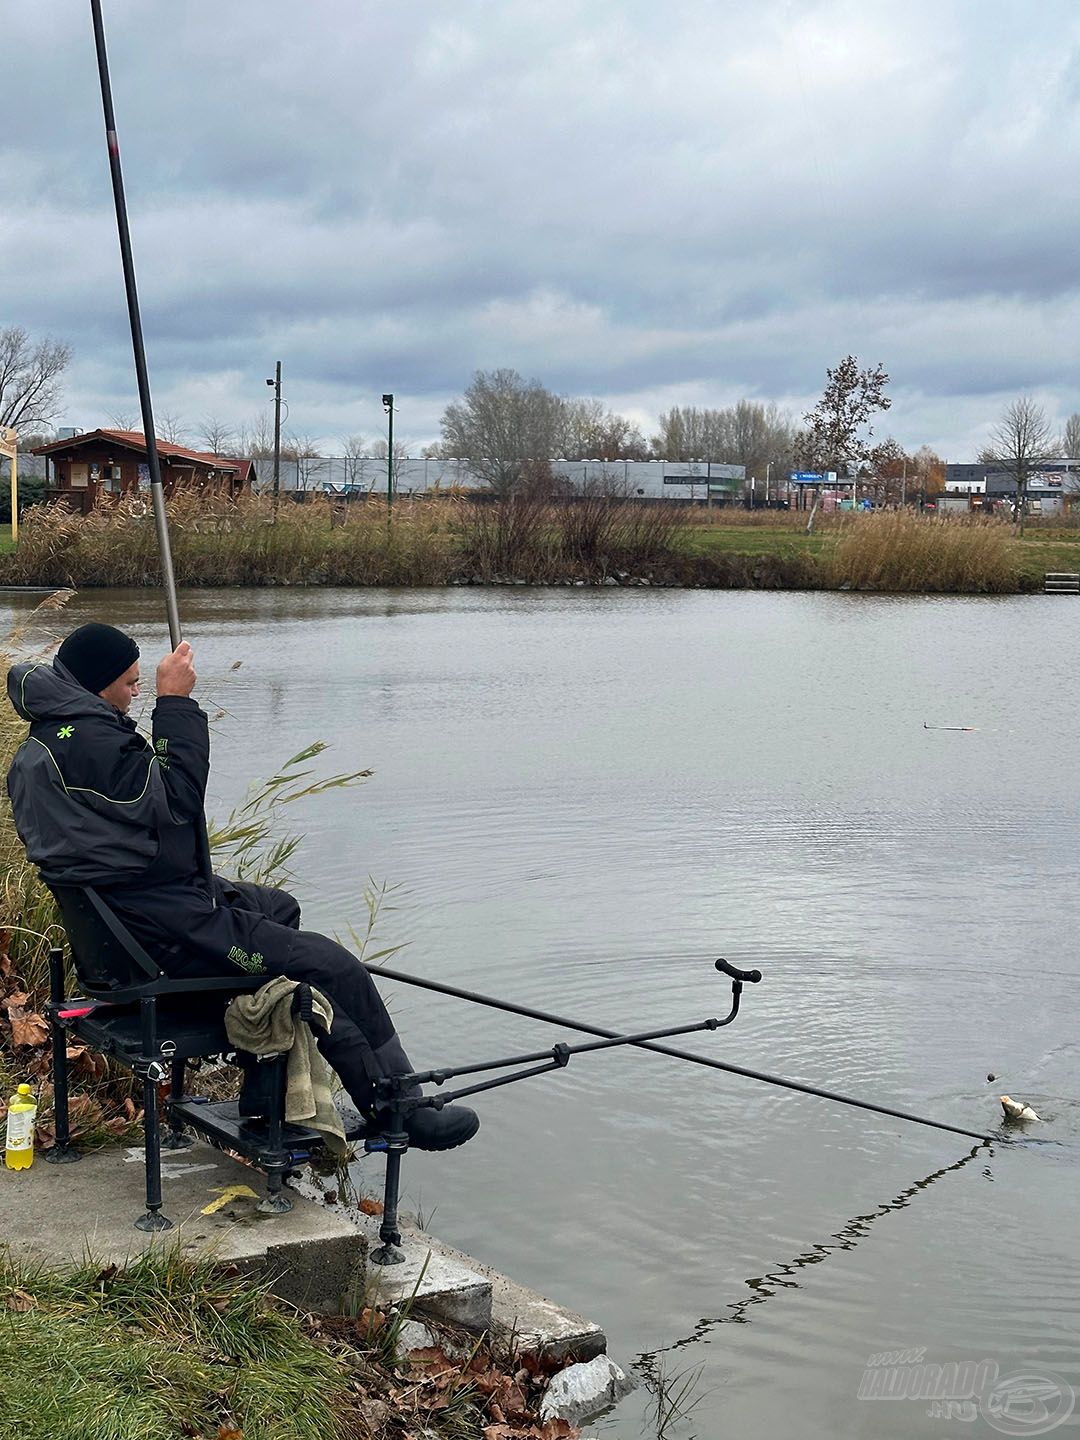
[{"x": 86, "y": 470}]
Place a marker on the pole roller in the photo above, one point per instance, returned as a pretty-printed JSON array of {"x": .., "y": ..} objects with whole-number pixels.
[{"x": 531, "y": 1014}]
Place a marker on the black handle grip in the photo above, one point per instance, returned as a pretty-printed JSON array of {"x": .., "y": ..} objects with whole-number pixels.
[{"x": 753, "y": 976}]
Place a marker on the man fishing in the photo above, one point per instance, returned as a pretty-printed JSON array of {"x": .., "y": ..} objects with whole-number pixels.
[{"x": 96, "y": 803}]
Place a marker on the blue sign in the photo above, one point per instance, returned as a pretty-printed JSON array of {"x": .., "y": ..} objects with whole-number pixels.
[{"x": 804, "y": 477}]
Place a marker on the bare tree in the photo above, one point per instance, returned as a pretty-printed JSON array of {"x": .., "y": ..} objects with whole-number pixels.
[
  {"x": 310, "y": 461},
  {"x": 219, "y": 438},
  {"x": 840, "y": 430},
  {"x": 171, "y": 428},
  {"x": 687, "y": 433},
  {"x": 589, "y": 431},
  {"x": 1070, "y": 440},
  {"x": 1020, "y": 444},
  {"x": 256, "y": 438},
  {"x": 125, "y": 420},
  {"x": 759, "y": 437},
  {"x": 504, "y": 427},
  {"x": 355, "y": 457},
  {"x": 31, "y": 376}
]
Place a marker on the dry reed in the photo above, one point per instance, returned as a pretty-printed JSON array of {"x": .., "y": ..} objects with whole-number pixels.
[
  {"x": 904, "y": 553},
  {"x": 330, "y": 542}
]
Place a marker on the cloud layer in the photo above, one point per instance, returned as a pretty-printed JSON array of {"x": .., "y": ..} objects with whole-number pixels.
[{"x": 652, "y": 204}]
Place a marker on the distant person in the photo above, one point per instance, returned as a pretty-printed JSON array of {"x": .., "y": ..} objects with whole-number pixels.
[{"x": 96, "y": 803}]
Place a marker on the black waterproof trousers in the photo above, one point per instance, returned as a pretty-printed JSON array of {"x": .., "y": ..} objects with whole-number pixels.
[{"x": 191, "y": 934}]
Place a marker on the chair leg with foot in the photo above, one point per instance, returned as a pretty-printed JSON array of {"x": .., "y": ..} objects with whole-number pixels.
[
  {"x": 153, "y": 1219},
  {"x": 62, "y": 1151},
  {"x": 177, "y": 1136},
  {"x": 276, "y": 1159},
  {"x": 153, "y": 1072}
]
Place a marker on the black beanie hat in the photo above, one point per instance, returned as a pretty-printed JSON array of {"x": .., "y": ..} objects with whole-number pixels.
[{"x": 97, "y": 655}]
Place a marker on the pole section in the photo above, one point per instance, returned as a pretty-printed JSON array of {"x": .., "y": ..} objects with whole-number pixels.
[
  {"x": 390, "y": 457},
  {"x": 157, "y": 494},
  {"x": 277, "y": 433}
]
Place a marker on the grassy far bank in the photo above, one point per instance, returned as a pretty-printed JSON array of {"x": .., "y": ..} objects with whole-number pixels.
[
  {"x": 589, "y": 540},
  {"x": 6, "y": 542}
]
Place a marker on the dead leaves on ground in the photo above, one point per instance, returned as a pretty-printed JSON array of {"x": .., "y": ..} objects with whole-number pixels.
[
  {"x": 455, "y": 1381},
  {"x": 508, "y": 1400},
  {"x": 102, "y": 1107}
]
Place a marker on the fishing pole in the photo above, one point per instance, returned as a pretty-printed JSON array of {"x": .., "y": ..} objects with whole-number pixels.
[
  {"x": 532, "y": 1014},
  {"x": 157, "y": 494}
]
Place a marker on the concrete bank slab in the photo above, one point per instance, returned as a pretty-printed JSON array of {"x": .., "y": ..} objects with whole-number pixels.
[
  {"x": 312, "y": 1256},
  {"x": 462, "y": 1290}
]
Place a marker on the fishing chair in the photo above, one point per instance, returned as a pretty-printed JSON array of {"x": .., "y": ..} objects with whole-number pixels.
[{"x": 131, "y": 1010}]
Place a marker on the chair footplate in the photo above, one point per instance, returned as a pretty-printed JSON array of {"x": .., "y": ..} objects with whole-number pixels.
[{"x": 222, "y": 1123}]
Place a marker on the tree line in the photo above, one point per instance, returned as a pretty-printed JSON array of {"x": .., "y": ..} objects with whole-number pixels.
[{"x": 510, "y": 429}]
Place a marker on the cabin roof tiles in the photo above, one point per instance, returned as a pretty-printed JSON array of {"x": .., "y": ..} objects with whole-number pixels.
[{"x": 136, "y": 440}]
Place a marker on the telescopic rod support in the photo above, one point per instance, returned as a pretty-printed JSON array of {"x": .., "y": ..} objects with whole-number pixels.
[{"x": 393, "y": 1090}]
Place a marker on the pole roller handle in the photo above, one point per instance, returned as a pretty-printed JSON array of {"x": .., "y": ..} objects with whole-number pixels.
[{"x": 725, "y": 968}]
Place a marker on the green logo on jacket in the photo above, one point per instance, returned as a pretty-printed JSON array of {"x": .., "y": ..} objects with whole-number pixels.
[{"x": 65, "y": 732}]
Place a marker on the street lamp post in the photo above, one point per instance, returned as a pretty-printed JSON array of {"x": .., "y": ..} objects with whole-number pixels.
[
  {"x": 276, "y": 383},
  {"x": 388, "y": 406}
]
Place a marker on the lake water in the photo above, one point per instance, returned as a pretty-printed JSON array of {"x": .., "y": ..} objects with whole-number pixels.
[{"x": 583, "y": 798}]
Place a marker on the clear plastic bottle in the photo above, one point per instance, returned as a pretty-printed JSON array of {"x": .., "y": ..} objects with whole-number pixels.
[{"x": 21, "y": 1116}]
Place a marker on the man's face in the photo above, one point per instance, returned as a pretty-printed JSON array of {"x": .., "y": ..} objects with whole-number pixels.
[{"x": 123, "y": 690}]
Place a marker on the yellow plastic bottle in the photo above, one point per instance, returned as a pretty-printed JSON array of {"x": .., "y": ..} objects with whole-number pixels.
[{"x": 19, "y": 1145}]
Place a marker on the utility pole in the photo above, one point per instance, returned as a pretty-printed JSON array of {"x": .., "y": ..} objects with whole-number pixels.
[
  {"x": 276, "y": 383},
  {"x": 388, "y": 406}
]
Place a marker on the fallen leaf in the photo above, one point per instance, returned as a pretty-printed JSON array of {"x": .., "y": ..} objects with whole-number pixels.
[
  {"x": 370, "y": 1207},
  {"x": 558, "y": 1430},
  {"x": 27, "y": 1028},
  {"x": 19, "y": 1301},
  {"x": 511, "y": 1399}
]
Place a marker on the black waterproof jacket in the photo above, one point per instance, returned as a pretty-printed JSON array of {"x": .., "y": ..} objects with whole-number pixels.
[{"x": 96, "y": 803}]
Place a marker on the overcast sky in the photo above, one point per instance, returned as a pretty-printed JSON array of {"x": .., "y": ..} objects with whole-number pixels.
[{"x": 685, "y": 202}]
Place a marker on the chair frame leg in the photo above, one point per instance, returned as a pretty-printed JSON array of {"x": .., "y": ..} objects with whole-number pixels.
[
  {"x": 177, "y": 1136},
  {"x": 62, "y": 1151},
  {"x": 152, "y": 1073},
  {"x": 275, "y": 1161}
]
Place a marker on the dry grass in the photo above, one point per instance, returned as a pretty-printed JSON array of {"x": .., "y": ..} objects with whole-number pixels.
[
  {"x": 328, "y": 542},
  {"x": 216, "y": 542},
  {"x": 905, "y": 553}
]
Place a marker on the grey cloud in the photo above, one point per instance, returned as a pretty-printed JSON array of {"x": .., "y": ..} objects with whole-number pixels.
[{"x": 621, "y": 199}]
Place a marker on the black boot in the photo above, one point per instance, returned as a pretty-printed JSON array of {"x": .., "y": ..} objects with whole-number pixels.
[{"x": 427, "y": 1128}]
